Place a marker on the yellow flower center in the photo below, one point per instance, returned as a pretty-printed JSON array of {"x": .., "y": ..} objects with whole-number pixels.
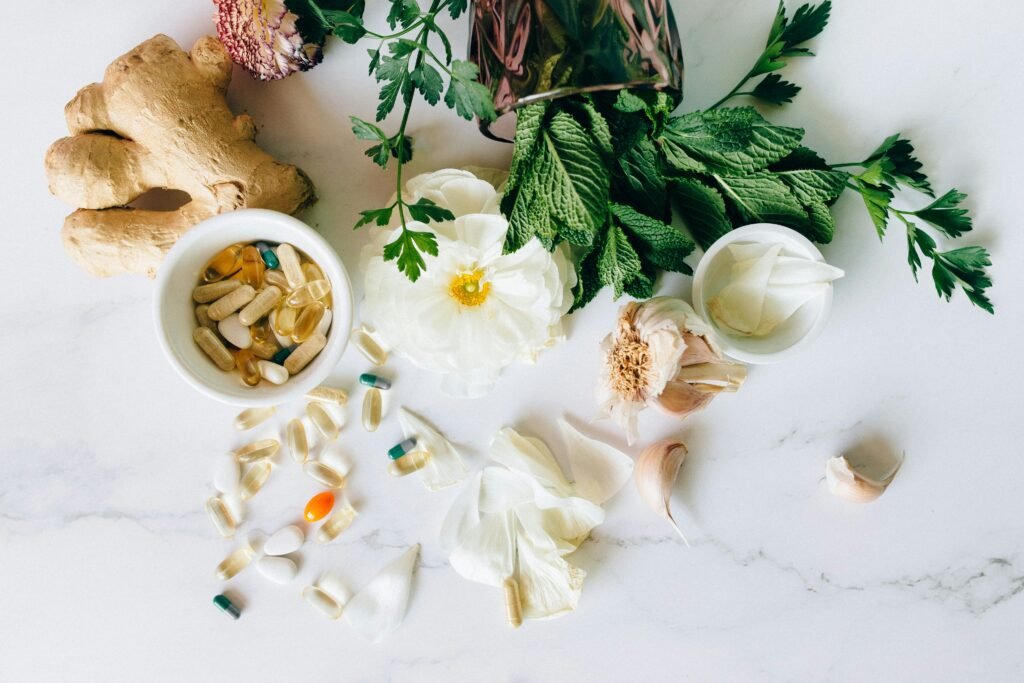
[{"x": 467, "y": 288}]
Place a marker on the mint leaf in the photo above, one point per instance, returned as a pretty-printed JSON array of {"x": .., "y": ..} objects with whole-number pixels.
[
  {"x": 774, "y": 90},
  {"x": 820, "y": 226},
  {"x": 815, "y": 186},
  {"x": 702, "y": 209},
  {"x": 646, "y": 184},
  {"x": 642, "y": 286},
  {"x": 801, "y": 159},
  {"x": 946, "y": 214},
  {"x": 406, "y": 249},
  {"x": 762, "y": 198},
  {"x": 528, "y": 128},
  {"x": 599, "y": 128},
  {"x": 619, "y": 263},
  {"x": 732, "y": 140},
  {"x": 588, "y": 279},
  {"x": 629, "y": 103},
  {"x": 425, "y": 211},
  {"x": 659, "y": 243},
  {"x": 466, "y": 95}
]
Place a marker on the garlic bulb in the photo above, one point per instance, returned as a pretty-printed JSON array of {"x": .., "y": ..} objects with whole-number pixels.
[
  {"x": 655, "y": 473},
  {"x": 662, "y": 355},
  {"x": 854, "y": 486}
]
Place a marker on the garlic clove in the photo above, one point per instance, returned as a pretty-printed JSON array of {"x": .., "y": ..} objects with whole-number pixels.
[
  {"x": 854, "y": 486},
  {"x": 655, "y": 473},
  {"x": 698, "y": 351},
  {"x": 679, "y": 399},
  {"x": 729, "y": 376}
]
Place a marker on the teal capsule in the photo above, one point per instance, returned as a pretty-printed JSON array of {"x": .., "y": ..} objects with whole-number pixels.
[
  {"x": 269, "y": 257},
  {"x": 398, "y": 450},
  {"x": 374, "y": 381},
  {"x": 226, "y": 606},
  {"x": 281, "y": 356}
]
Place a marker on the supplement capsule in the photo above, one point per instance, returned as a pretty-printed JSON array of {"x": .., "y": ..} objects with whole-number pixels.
[
  {"x": 323, "y": 421},
  {"x": 368, "y": 347},
  {"x": 284, "y": 320},
  {"x": 370, "y": 380},
  {"x": 407, "y": 464},
  {"x": 307, "y": 322},
  {"x": 513, "y": 604},
  {"x": 226, "y": 606},
  {"x": 295, "y": 437},
  {"x": 312, "y": 272},
  {"x": 400, "y": 449},
  {"x": 249, "y": 371},
  {"x": 250, "y": 417},
  {"x": 276, "y": 278},
  {"x": 319, "y": 506},
  {"x": 255, "y": 477},
  {"x": 336, "y": 523},
  {"x": 282, "y": 355},
  {"x": 325, "y": 474},
  {"x": 371, "y": 410},
  {"x": 265, "y": 350},
  {"x": 272, "y": 372},
  {"x": 204, "y": 294},
  {"x": 328, "y": 394},
  {"x": 203, "y": 318},
  {"x": 221, "y": 516},
  {"x": 257, "y": 450},
  {"x": 252, "y": 267},
  {"x": 306, "y": 352},
  {"x": 308, "y": 293},
  {"x": 268, "y": 255},
  {"x": 322, "y": 602},
  {"x": 264, "y": 302},
  {"x": 213, "y": 347},
  {"x": 234, "y": 563},
  {"x": 223, "y": 264},
  {"x": 231, "y": 302},
  {"x": 290, "y": 265}
]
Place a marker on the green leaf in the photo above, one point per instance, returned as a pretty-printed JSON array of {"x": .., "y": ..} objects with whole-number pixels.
[
  {"x": 466, "y": 95},
  {"x": 406, "y": 249},
  {"x": 646, "y": 184},
  {"x": 428, "y": 81},
  {"x": 380, "y": 154},
  {"x": 588, "y": 279},
  {"x": 820, "y": 226},
  {"x": 456, "y": 8},
  {"x": 401, "y": 149},
  {"x": 946, "y": 214},
  {"x": 403, "y": 12},
  {"x": 815, "y": 186},
  {"x": 877, "y": 200},
  {"x": 659, "y": 243},
  {"x": 641, "y": 287},
  {"x": 732, "y": 140},
  {"x": 896, "y": 161},
  {"x": 425, "y": 211},
  {"x": 628, "y": 102},
  {"x": 801, "y": 159},
  {"x": 379, "y": 216},
  {"x": 964, "y": 266},
  {"x": 529, "y": 123},
  {"x": 345, "y": 25},
  {"x": 774, "y": 90},
  {"x": 808, "y": 22},
  {"x": 366, "y": 131},
  {"x": 599, "y": 128},
  {"x": 374, "y": 59},
  {"x": 762, "y": 198},
  {"x": 702, "y": 209},
  {"x": 619, "y": 263}
]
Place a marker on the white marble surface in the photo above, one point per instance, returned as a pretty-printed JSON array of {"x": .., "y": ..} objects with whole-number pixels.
[{"x": 105, "y": 457}]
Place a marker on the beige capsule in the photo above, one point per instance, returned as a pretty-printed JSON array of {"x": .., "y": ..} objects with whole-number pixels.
[
  {"x": 325, "y": 474},
  {"x": 323, "y": 421},
  {"x": 328, "y": 394},
  {"x": 234, "y": 563},
  {"x": 203, "y": 318},
  {"x": 221, "y": 516},
  {"x": 204, "y": 294},
  {"x": 261, "y": 305},
  {"x": 231, "y": 302},
  {"x": 212, "y": 346},
  {"x": 258, "y": 450},
  {"x": 513, "y": 603},
  {"x": 255, "y": 477},
  {"x": 250, "y": 417},
  {"x": 371, "y": 410},
  {"x": 291, "y": 266},
  {"x": 370, "y": 349},
  {"x": 335, "y": 524},
  {"x": 295, "y": 437},
  {"x": 408, "y": 463},
  {"x": 305, "y": 353},
  {"x": 276, "y": 278}
]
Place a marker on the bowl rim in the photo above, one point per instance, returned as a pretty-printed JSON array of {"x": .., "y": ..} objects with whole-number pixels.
[
  {"x": 724, "y": 341},
  {"x": 338, "y": 336}
]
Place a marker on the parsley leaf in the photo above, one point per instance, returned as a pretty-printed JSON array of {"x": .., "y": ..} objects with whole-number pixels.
[
  {"x": 428, "y": 81},
  {"x": 406, "y": 249},
  {"x": 896, "y": 161},
  {"x": 403, "y": 12},
  {"x": 466, "y": 95},
  {"x": 379, "y": 216},
  {"x": 946, "y": 214},
  {"x": 425, "y": 211},
  {"x": 774, "y": 90}
]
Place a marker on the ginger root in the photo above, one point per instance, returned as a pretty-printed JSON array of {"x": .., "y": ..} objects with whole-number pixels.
[{"x": 160, "y": 119}]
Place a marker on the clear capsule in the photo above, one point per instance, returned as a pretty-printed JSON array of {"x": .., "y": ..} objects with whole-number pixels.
[
  {"x": 252, "y": 267},
  {"x": 255, "y": 477},
  {"x": 226, "y": 263},
  {"x": 210, "y": 344},
  {"x": 224, "y": 604},
  {"x": 246, "y": 363},
  {"x": 291, "y": 266},
  {"x": 257, "y": 450},
  {"x": 371, "y": 410},
  {"x": 307, "y": 322},
  {"x": 365, "y": 344},
  {"x": 221, "y": 516},
  {"x": 322, "y": 420},
  {"x": 308, "y": 293},
  {"x": 328, "y": 394},
  {"x": 277, "y": 278},
  {"x": 322, "y": 601},
  {"x": 325, "y": 474},
  {"x": 371, "y": 380},
  {"x": 409, "y": 463},
  {"x": 234, "y": 563},
  {"x": 268, "y": 255},
  {"x": 513, "y": 603},
  {"x": 250, "y": 417},
  {"x": 284, "y": 320},
  {"x": 336, "y": 524},
  {"x": 295, "y": 437},
  {"x": 400, "y": 449},
  {"x": 312, "y": 272}
]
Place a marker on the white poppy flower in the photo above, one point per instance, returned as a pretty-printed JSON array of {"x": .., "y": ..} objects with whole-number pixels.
[{"x": 475, "y": 310}]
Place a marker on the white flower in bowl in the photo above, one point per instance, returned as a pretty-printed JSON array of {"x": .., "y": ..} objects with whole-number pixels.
[{"x": 475, "y": 310}]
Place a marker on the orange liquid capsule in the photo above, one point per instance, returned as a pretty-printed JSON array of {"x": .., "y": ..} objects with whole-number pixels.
[
  {"x": 224, "y": 264},
  {"x": 305, "y": 324},
  {"x": 319, "y": 506},
  {"x": 252, "y": 267}
]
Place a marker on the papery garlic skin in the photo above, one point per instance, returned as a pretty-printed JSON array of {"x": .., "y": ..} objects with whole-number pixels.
[{"x": 845, "y": 482}]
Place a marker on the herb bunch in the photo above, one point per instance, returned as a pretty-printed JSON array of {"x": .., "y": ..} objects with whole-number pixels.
[
  {"x": 603, "y": 173},
  {"x": 405, "y": 63}
]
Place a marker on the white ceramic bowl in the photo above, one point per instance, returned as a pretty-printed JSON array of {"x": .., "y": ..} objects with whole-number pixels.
[
  {"x": 175, "y": 310},
  {"x": 787, "y": 339}
]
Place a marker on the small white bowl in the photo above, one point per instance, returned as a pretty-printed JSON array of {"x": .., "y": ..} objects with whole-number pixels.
[
  {"x": 787, "y": 339},
  {"x": 174, "y": 308}
]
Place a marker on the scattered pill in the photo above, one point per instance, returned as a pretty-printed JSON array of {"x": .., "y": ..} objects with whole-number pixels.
[
  {"x": 237, "y": 334},
  {"x": 238, "y": 560},
  {"x": 319, "y": 506},
  {"x": 277, "y": 569},
  {"x": 268, "y": 255},
  {"x": 368, "y": 347},
  {"x": 371, "y": 410},
  {"x": 307, "y": 322},
  {"x": 325, "y": 474},
  {"x": 261, "y": 305},
  {"x": 285, "y": 540},
  {"x": 248, "y": 370},
  {"x": 252, "y": 267},
  {"x": 371, "y": 380},
  {"x": 334, "y": 525},
  {"x": 226, "y": 473},
  {"x": 400, "y": 449},
  {"x": 290, "y": 265},
  {"x": 513, "y": 604},
  {"x": 409, "y": 463},
  {"x": 204, "y": 294},
  {"x": 225, "y": 263},
  {"x": 212, "y": 346},
  {"x": 305, "y": 353},
  {"x": 322, "y": 420},
  {"x": 257, "y": 450},
  {"x": 329, "y": 394},
  {"x": 295, "y": 438},
  {"x": 324, "y": 326},
  {"x": 308, "y": 293},
  {"x": 255, "y": 477},
  {"x": 230, "y": 302},
  {"x": 276, "y": 278},
  {"x": 221, "y": 516},
  {"x": 250, "y": 417},
  {"x": 226, "y": 606},
  {"x": 272, "y": 372},
  {"x": 322, "y": 602}
]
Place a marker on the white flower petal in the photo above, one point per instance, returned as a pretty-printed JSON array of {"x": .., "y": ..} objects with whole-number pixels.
[
  {"x": 529, "y": 456},
  {"x": 445, "y": 467},
  {"x": 548, "y": 585},
  {"x": 379, "y": 608},
  {"x": 486, "y": 552},
  {"x": 599, "y": 470}
]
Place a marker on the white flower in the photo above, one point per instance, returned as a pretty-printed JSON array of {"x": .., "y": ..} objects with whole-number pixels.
[{"x": 475, "y": 310}]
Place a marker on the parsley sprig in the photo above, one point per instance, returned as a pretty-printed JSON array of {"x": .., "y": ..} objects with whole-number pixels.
[{"x": 404, "y": 63}]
